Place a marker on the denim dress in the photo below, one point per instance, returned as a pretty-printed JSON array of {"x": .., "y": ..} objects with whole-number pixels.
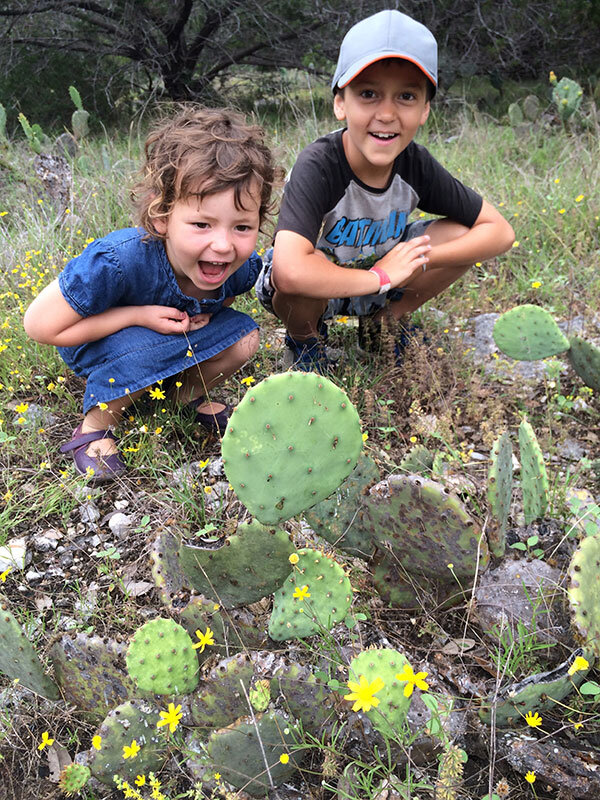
[{"x": 124, "y": 269}]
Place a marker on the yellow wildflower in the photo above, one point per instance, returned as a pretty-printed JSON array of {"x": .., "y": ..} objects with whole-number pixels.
[
  {"x": 578, "y": 664},
  {"x": 530, "y": 776},
  {"x": 533, "y": 720},
  {"x": 131, "y": 751},
  {"x": 171, "y": 717},
  {"x": 363, "y": 693},
  {"x": 412, "y": 679},
  {"x": 46, "y": 741},
  {"x": 301, "y": 593},
  {"x": 205, "y": 639}
]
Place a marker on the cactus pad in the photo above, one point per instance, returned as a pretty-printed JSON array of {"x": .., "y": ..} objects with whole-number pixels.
[
  {"x": 528, "y": 333},
  {"x": 251, "y": 564},
  {"x": 161, "y": 659},
  {"x": 240, "y": 751},
  {"x": 389, "y": 715},
  {"x": 18, "y": 659},
  {"x": 73, "y": 778},
  {"x": 567, "y": 95},
  {"x": 133, "y": 720},
  {"x": 289, "y": 443},
  {"x": 338, "y": 519},
  {"x": 536, "y": 693},
  {"x": 585, "y": 511},
  {"x": 584, "y": 591},
  {"x": 585, "y": 360},
  {"x": 166, "y": 569},
  {"x": 221, "y": 700},
  {"x": 305, "y": 697},
  {"x": 91, "y": 672},
  {"x": 327, "y": 602},
  {"x": 499, "y": 492},
  {"x": 418, "y": 460},
  {"x": 534, "y": 479},
  {"x": 418, "y": 525}
]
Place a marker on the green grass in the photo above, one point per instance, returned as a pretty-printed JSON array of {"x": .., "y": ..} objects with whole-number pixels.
[{"x": 545, "y": 180}]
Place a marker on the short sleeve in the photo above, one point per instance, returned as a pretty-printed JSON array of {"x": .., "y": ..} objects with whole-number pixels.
[
  {"x": 93, "y": 281},
  {"x": 244, "y": 278},
  {"x": 309, "y": 193}
]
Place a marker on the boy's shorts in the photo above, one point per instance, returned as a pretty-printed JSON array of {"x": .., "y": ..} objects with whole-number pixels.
[{"x": 365, "y": 305}]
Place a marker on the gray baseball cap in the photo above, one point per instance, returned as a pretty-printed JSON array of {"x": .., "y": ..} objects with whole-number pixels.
[{"x": 388, "y": 34}]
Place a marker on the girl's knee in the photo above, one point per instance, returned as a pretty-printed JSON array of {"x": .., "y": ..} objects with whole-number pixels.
[{"x": 248, "y": 345}]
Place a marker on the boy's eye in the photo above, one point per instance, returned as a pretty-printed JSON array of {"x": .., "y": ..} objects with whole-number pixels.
[
  {"x": 368, "y": 94},
  {"x": 407, "y": 96}
]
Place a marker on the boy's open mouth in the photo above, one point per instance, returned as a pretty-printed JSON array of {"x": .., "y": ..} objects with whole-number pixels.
[
  {"x": 383, "y": 137},
  {"x": 213, "y": 271}
]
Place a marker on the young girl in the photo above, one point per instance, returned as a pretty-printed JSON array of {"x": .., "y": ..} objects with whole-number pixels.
[{"x": 144, "y": 304}]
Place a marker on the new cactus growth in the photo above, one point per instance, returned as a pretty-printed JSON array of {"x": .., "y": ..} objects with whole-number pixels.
[
  {"x": 584, "y": 595},
  {"x": 418, "y": 460},
  {"x": 528, "y": 333},
  {"x": 315, "y": 596},
  {"x": 247, "y": 754},
  {"x": 18, "y": 659},
  {"x": 338, "y": 519},
  {"x": 161, "y": 658},
  {"x": 250, "y": 565},
  {"x": 289, "y": 443},
  {"x": 567, "y": 95},
  {"x": 534, "y": 479},
  {"x": 132, "y": 722},
  {"x": 73, "y": 779},
  {"x": 80, "y": 117},
  {"x": 392, "y": 704},
  {"x": 585, "y": 360},
  {"x": 499, "y": 492}
]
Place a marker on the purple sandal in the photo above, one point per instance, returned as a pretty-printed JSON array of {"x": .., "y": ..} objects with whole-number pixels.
[
  {"x": 105, "y": 468},
  {"x": 215, "y": 423}
]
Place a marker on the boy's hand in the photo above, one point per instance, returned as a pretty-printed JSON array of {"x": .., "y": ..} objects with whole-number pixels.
[
  {"x": 405, "y": 260},
  {"x": 163, "y": 319}
]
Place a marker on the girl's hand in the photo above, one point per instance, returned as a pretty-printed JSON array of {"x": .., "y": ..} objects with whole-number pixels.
[
  {"x": 199, "y": 321},
  {"x": 163, "y": 319},
  {"x": 405, "y": 260}
]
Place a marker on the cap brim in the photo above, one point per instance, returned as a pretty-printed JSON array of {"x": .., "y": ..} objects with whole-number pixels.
[{"x": 359, "y": 66}]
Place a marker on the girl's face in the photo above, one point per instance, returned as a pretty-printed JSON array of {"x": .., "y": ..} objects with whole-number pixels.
[{"x": 208, "y": 239}]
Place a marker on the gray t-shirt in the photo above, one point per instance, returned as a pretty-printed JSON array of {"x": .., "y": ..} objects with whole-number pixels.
[{"x": 355, "y": 224}]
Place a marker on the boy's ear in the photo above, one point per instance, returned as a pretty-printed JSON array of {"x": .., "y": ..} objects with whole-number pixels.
[
  {"x": 338, "y": 106},
  {"x": 425, "y": 113}
]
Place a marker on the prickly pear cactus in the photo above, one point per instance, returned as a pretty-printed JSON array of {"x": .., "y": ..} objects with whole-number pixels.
[
  {"x": 290, "y": 442},
  {"x": 567, "y": 95},
  {"x": 18, "y": 659},
  {"x": 585, "y": 511},
  {"x": 166, "y": 569},
  {"x": 305, "y": 697},
  {"x": 315, "y": 596},
  {"x": 585, "y": 360},
  {"x": 221, "y": 700},
  {"x": 534, "y": 479},
  {"x": 418, "y": 460},
  {"x": 538, "y": 692},
  {"x": 90, "y": 670},
  {"x": 499, "y": 492},
  {"x": 515, "y": 115},
  {"x": 531, "y": 107},
  {"x": 247, "y": 754},
  {"x": 390, "y": 712},
  {"x": 161, "y": 659},
  {"x": 338, "y": 519},
  {"x": 252, "y": 564},
  {"x": 420, "y": 528},
  {"x": 528, "y": 333},
  {"x": 73, "y": 778},
  {"x": 584, "y": 595},
  {"x": 133, "y": 721}
]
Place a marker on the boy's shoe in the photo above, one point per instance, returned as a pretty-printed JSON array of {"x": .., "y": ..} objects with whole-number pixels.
[{"x": 309, "y": 355}]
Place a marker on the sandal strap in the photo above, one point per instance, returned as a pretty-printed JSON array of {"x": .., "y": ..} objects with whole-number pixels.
[{"x": 85, "y": 438}]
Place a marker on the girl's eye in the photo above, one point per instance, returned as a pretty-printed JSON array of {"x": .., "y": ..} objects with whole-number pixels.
[
  {"x": 243, "y": 228},
  {"x": 201, "y": 225}
]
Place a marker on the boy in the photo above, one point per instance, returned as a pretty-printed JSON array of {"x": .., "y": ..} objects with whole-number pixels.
[{"x": 342, "y": 232}]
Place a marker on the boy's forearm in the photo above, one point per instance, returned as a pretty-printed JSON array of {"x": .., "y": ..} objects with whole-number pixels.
[{"x": 316, "y": 277}]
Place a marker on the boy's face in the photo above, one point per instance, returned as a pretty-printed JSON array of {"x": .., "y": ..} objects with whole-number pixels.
[
  {"x": 384, "y": 106},
  {"x": 208, "y": 239}
]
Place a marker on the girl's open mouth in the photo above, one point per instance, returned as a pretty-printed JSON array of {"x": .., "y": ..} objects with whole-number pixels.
[{"x": 212, "y": 271}]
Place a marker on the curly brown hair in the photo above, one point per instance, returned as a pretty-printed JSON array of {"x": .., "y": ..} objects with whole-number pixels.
[{"x": 199, "y": 152}]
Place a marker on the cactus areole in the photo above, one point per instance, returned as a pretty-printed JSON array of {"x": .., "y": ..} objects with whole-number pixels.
[{"x": 290, "y": 442}]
